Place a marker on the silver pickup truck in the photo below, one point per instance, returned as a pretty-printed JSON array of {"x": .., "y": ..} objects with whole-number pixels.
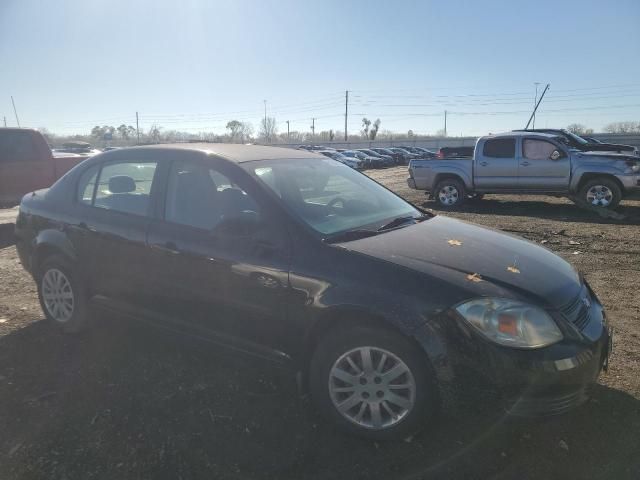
[{"x": 531, "y": 163}]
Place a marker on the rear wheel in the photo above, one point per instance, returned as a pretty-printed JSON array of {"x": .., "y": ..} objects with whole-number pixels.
[
  {"x": 372, "y": 382},
  {"x": 600, "y": 193},
  {"x": 62, "y": 297},
  {"x": 449, "y": 193}
]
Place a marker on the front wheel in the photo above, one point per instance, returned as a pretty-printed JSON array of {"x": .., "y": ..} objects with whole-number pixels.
[
  {"x": 600, "y": 193},
  {"x": 449, "y": 193},
  {"x": 373, "y": 383}
]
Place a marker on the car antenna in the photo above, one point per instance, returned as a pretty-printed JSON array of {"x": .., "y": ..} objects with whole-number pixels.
[{"x": 537, "y": 105}]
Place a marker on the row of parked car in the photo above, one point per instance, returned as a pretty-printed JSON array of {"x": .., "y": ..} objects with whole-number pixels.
[{"x": 373, "y": 157}]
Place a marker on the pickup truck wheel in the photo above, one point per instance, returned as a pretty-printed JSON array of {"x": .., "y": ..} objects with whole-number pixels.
[
  {"x": 62, "y": 297},
  {"x": 449, "y": 193},
  {"x": 600, "y": 193}
]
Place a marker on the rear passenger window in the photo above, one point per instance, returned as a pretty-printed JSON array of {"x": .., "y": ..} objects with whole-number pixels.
[
  {"x": 500, "y": 148},
  {"x": 87, "y": 184},
  {"x": 125, "y": 187}
]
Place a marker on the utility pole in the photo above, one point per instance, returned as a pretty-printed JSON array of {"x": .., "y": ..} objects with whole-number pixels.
[
  {"x": 138, "y": 128},
  {"x": 445, "y": 123},
  {"x": 15, "y": 111},
  {"x": 537, "y": 105},
  {"x": 313, "y": 128},
  {"x": 346, "y": 114},
  {"x": 288, "y": 136},
  {"x": 535, "y": 101},
  {"x": 5, "y": 121},
  {"x": 266, "y": 133}
]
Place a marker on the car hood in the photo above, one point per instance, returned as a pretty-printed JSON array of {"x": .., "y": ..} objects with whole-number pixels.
[
  {"x": 482, "y": 261},
  {"x": 610, "y": 155},
  {"x": 608, "y": 147}
]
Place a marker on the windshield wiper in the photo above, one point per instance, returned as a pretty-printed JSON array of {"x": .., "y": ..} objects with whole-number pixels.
[
  {"x": 348, "y": 235},
  {"x": 396, "y": 222}
]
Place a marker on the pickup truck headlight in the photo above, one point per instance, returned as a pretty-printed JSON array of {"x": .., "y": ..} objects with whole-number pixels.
[{"x": 510, "y": 323}]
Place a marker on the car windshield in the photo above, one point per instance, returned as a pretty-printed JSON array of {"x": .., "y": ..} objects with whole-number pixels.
[
  {"x": 329, "y": 196},
  {"x": 576, "y": 138}
]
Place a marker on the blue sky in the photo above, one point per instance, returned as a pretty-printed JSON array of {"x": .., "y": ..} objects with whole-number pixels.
[{"x": 195, "y": 64}]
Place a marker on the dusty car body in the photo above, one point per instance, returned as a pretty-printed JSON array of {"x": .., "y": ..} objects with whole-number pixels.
[{"x": 288, "y": 255}]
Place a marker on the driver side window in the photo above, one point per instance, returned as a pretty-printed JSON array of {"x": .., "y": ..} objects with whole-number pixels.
[{"x": 200, "y": 196}]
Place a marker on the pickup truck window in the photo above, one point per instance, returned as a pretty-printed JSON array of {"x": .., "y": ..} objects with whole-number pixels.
[
  {"x": 500, "y": 148},
  {"x": 537, "y": 149},
  {"x": 16, "y": 147}
]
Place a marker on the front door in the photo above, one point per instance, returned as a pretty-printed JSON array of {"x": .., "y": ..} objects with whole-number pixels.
[
  {"x": 539, "y": 169},
  {"x": 495, "y": 165},
  {"x": 219, "y": 260}
]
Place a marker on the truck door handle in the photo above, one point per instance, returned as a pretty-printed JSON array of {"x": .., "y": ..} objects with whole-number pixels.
[
  {"x": 484, "y": 164},
  {"x": 525, "y": 164},
  {"x": 167, "y": 247}
]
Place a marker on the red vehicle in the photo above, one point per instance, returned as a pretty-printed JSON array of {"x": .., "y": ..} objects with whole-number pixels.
[{"x": 27, "y": 164}]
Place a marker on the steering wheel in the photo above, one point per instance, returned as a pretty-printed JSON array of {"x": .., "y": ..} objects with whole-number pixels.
[{"x": 332, "y": 204}]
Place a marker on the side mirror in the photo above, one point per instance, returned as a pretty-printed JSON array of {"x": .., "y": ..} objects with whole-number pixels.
[
  {"x": 242, "y": 224},
  {"x": 555, "y": 155}
]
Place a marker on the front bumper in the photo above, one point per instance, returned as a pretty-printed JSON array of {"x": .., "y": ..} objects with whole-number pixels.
[{"x": 540, "y": 382}]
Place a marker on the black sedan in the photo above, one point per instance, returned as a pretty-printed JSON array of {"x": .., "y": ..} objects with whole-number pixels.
[
  {"x": 398, "y": 158},
  {"x": 387, "y": 160},
  {"x": 300, "y": 260}
]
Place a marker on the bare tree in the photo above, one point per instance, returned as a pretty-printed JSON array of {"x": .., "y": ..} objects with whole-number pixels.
[
  {"x": 126, "y": 131},
  {"x": 374, "y": 130},
  {"x": 623, "y": 127},
  {"x": 366, "y": 123},
  {"x": 268, "y": 129},
  {"x": 239, "y": 131},
  {"x": 576, "y": 128}
]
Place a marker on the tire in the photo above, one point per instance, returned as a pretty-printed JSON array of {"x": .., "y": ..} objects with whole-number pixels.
[
  {"x": 416, "y": 406},
  {"x": 600, "y": 193},
  {"x": 62, "y": 296},
  {"x": 449, "y": 193}
]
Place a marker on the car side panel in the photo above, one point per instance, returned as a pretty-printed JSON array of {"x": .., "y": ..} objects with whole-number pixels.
[{"x": 425, "y": 173}]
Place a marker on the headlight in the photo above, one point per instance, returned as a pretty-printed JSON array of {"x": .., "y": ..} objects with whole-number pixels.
[{"x": 510, "y": 323}]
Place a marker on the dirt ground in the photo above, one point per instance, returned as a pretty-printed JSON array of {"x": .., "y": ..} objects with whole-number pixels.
[{"x": 122, "y": 402}]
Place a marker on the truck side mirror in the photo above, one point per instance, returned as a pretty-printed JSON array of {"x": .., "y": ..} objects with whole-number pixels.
[{"x": 555, "y": 155}]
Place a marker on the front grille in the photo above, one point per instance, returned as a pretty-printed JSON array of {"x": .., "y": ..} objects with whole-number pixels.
[{"x": 577, "y": 311}]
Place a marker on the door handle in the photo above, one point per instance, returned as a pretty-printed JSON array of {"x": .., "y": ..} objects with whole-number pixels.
[
  {"x": 525, "y": 164},
  {"x": 167, "y": 247},
  {"x": 484, "y": 164}
]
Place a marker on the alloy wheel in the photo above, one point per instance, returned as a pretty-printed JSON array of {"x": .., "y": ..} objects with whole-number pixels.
[
  {"x": 599, "y": 196},
  {"x": 448, "y": 195},
  {"x": 58, "y": 295}
]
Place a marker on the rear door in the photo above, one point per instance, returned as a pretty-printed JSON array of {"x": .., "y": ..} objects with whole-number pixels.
[
  {"x": 537, "y": 171},
  {"x": 117, "y": 207},
  {"x": 496, "y": 166},
  {"x": 23, "y": 167}
]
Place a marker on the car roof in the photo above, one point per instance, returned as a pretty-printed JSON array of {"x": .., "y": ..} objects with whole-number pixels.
[
  {"x": 232, "y": 152},
  {"x": 523, "y": 133}
]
